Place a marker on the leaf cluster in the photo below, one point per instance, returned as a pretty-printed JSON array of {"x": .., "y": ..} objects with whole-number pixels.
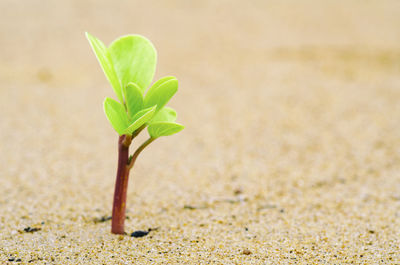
[{"x": 129, "y": 64}]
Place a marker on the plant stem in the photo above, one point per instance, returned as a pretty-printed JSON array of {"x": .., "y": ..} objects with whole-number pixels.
[
  {"x": 138, "y": 151},
  {"x": 121, "y": 185},
  {"x": 135, "y": 133}
]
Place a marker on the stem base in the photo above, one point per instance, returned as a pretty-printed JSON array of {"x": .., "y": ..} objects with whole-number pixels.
[{"x": 121, "y": 187}]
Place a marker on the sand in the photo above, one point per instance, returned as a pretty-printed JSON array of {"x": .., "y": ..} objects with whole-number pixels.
[{"x": 291, "y": 152}]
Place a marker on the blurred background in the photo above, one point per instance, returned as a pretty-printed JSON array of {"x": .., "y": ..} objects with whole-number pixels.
[{"x": 287, "y": 103}]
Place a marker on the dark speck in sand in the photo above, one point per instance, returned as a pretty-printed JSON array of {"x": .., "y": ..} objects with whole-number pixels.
[
  {"x": 31, "y": 229},
  {"x": 102, "y": 219},
  {"x": 141, "y": 233}
]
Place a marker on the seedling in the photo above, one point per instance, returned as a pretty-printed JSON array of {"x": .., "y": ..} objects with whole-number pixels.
[{"x": 129, "y": 64}]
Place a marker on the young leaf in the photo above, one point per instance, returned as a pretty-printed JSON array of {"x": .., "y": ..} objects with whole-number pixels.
[
  {"x": 116, "y": 114},
  {"x": 106, "y": 64},
  {"x": 158, "y": 129},
  {"x": 162, "y": 80},
  {"x": 134, "y": 58},
  {"x": 165, "y": 114},
  {"x": 161, "y": 92},
  {"x": 134, "y": 99},
  {"x": 140, "y": 118}
]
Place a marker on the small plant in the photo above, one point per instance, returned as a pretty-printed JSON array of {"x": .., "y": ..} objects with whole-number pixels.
[{"x": 129, "y": 64}]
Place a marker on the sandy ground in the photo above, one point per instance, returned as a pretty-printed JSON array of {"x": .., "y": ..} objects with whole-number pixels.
[{"x": 291, "y": 152}]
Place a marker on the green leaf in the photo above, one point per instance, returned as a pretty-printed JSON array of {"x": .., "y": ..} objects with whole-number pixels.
[
  {"x": 161, "y": 92},
  {"x": 104, "y": 58},
  {"x": 134, "y": 58},
  {"x": 116, "y": 114},
  {"x": 134, "y": 99},
  {"x": 165, "y": 114},
  {"x": 140, "y": 118},
  {"x": 162, "y": 80},
  {"x": 158, "y": 129}
]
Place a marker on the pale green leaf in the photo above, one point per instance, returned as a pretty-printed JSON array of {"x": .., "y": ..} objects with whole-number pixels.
[
  {"x": 134, "y": 58},
  {"x": 161, "y": 92},
  {"x": 159, "y": 129},
  {"x": 165, "y": 114},
  {"x": 134, "y": 99},
  {"x": 106, "y": 64},
  {"x": 162, "y": 80},
  {"x": 140, "y": 118},
  {"x": 116, "y": 115}
]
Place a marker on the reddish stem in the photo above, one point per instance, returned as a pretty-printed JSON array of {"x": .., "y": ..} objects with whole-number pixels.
[{"x": 121, "y": 185}]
